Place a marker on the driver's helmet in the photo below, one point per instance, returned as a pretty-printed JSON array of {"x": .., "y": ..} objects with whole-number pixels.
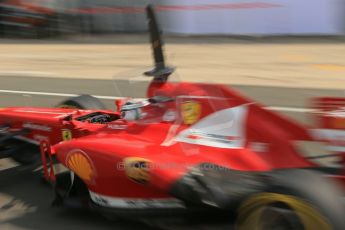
[{"x": 132, "y": 109}]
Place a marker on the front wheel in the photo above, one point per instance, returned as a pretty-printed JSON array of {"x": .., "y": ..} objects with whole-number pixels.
[
  {"x": 82, "y": 102},
  {"x": 295, "y": 200},
  {"x": 24, "y": 153}
]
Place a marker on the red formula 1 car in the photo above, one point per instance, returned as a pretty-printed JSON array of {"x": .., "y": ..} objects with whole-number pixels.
[{"x": 190, "y": 149}]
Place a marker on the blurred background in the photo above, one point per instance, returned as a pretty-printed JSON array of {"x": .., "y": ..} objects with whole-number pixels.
[
  {"x": 40, "y": 18},
  {"x": 281, "y": 53}
]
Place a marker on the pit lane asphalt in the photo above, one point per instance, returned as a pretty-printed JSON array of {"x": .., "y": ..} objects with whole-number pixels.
[{"x": 25, "y": 203}]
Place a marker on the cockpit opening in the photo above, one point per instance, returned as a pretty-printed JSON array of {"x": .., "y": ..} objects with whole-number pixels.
[{"x": 98, "y": 118}]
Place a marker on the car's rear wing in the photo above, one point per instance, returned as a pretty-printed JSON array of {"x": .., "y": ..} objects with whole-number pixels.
[
  {"x": 329, "y": 112},
  {"x": 329, "y": 122},
  {"x": 328, "y": 103}
]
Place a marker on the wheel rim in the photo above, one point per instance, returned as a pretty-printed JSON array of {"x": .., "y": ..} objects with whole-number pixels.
[{"x": 279, "y": 211}]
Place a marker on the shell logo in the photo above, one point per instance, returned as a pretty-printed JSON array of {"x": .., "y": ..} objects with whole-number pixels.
[{"x": 81, "y": 165}]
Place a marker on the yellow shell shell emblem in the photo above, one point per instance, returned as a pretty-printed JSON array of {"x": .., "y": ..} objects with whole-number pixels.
[
  {"x": 138, "y": 169},
  {"x": 190, "y": 111},
  {"x": 81, "y": 165}
]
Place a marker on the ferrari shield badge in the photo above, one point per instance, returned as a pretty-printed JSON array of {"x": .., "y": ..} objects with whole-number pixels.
[
  {"x": 81, "y": 165},
  {"x": 66, "y": 135},
  {"x": 190, "y": 111},
  {"x": 138, "y": 169}
]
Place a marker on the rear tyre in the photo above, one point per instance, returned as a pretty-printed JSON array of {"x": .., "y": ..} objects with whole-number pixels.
[
  {"x": 295, "y": 200},
  {"x": 82, "y": 102}
]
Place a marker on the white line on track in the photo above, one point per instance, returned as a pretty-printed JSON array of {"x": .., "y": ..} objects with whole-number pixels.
[
  {"x": 282, "y": 109},
  {"x": 54, "y": 94},
  {"x": 290, "y": 109}
]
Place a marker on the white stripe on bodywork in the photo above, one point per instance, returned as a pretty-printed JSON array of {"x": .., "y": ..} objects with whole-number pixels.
[
  {"x": 290, "y": 109},
  {"x": 336, "y": 138},
  {"x": 328, "y": 134},
  {"x": 115, "y": 202},
  {"x": 336, "y": 148},
  {"x": 55, "y": 94},
  {"x": 221, "y": 129}
]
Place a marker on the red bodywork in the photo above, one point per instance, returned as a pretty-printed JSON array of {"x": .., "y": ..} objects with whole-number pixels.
[{"x": 100, "y": 153}]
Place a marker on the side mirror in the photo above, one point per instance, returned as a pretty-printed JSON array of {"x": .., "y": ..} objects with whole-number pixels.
[{"x": 119, "y": 103}]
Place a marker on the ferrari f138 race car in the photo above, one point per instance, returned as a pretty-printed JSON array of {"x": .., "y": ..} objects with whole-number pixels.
[{"x": 189, "y": 149}]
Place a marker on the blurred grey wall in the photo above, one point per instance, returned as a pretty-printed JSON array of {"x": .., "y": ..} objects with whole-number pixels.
[
  {"x": 268, "y": 17},
  {"x": 112, "y": 20}
]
